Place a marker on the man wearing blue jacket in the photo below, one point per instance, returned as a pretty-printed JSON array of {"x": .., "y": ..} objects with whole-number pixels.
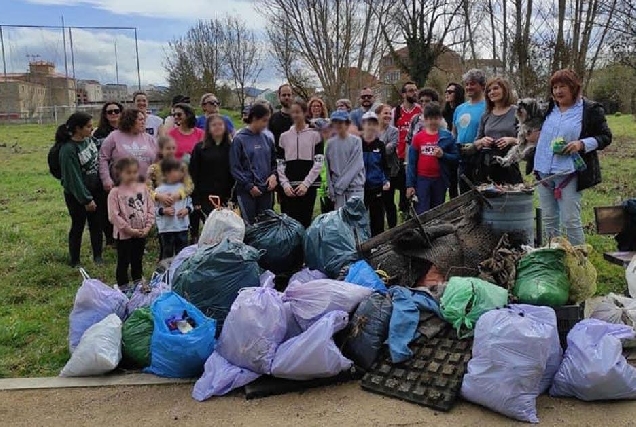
[{"x": 253, "y": 165}]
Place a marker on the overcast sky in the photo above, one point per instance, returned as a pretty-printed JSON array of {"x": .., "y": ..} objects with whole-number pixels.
[{"x": 157, "y": 22}]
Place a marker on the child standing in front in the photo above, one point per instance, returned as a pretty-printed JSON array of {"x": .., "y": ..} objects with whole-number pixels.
[
  {"x": 345, "y": 163},
  {"x": 429, "y": 161},
  {"x": 173, "y": 220},
  {"x": 132, "y": 213},
  {"x": 377, "y": 171}
]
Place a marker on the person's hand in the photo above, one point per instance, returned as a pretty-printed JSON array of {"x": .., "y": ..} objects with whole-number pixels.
[
  {"x": 574, "y": 147},
  {"x": 176, "y": 196},
  {"x": 386, "y": 186},
  {"x": 108, "y": 187},
  {"x": 289, "y": 192},
  {"x": 169, "y": 211},
  {"x": 255, "y": 192},
  {"x": 505, "y": 141},
  {"x": 91, "y": 207},
  {"x": 144, "y": 232},
  {"x": 272, "y": 182},
  {"x": 165, "y": 199},
  {"x": 182, "y": 213},
  {"x": 137, "y": 233},
  {"x": 484, "y": 142},
  {"x": 410, "y": 192},
  {"x": 301, "y": 190},
  {"x": 438, "y": 152}
]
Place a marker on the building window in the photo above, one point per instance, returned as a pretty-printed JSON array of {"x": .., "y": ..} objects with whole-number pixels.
[
  {"x": 388, "y": 61},
  {"x": 392, "y": 76}
]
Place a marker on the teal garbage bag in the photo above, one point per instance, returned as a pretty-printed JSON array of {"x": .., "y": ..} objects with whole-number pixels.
[
  {"x": 174, "y": 354},
  {"x": 212, "y": 277}
]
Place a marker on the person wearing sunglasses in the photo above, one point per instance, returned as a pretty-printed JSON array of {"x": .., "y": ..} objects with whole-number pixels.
[
  {"x": 367, "y": 101},
  {"x": 108, "y": 122},
  {"x": 186, "y": 135},
  {"x": 453, "y": 96},
  {"x": 210, "y": 104},
  {"x": 169, "y": 122}
]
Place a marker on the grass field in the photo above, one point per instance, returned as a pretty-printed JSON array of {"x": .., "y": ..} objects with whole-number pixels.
[{"x": 37, "y": 287}]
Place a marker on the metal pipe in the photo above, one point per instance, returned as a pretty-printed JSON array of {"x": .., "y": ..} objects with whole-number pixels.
[
  {"x": 538, "y": 221},
  {"x": 4, "y": 59},
  {"x": 64, "y": 43},
  {"x": 137, "y": 53}
]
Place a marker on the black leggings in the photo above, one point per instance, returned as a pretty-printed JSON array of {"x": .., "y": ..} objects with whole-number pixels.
[
  {"x": 102, "y": 211},
  {"x": 300, "y": 208},
  {"x": 398, "y": 183},
  {"x": 130, "y": 253},
  {"x": 79, "y": 217},
  {"x": 373, "y": 200}
]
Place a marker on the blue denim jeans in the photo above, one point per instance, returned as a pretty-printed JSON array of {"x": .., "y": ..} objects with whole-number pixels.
[{"x": 564, "y": 213}]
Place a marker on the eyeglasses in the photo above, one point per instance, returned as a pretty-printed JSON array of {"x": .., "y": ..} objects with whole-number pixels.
[
  {"x": 366, "y": 96},
  {"x": 177, "y": 114},
  {"x": 113, "y": 112},
  {"x": 213, "y": 103},
  {"x": 449, "y": 91}
]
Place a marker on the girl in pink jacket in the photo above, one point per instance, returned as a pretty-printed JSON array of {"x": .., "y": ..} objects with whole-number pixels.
[{"x": 132, "y": 213}]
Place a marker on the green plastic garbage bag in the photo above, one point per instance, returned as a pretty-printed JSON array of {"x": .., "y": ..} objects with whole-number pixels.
[
  {"x": 542, "y": 278},
  {"x": 135, "y": 337},
  {"x": 466, "y": 299}
]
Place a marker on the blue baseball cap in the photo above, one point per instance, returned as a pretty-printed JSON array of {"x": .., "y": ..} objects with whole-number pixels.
[{"x": 340, "y": 116}]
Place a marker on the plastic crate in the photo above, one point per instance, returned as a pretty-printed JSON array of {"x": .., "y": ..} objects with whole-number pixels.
[{"x": 567, "y": 317}]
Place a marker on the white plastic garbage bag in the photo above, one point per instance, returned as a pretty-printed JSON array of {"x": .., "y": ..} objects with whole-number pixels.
[
  {"x": 222, "y": 224},
  {"x": 99, "y": 350},
  {"x": 254, "y": 328},
  {"x": 510, "y": 358},
  {"x": 221, "y": 377},
  {"x": 311, "y": 300},
  {"x": 594, "y": 367},
  {"x": 619, "y": 310},
  {"x": 313, "y": 354},
  {"x": 630, "y": 276}
]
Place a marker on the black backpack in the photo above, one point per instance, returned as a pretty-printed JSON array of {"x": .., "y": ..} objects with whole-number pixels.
[{"x": 55, "y": 168}]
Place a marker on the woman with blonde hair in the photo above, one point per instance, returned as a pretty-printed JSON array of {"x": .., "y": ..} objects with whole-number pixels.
[{"x": 316, "y": 109}]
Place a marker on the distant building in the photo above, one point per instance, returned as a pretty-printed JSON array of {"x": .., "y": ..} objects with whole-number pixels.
[
  {"x": 20, "y": 99},
  {"x": 89, "y": 92},
  {"x": 357, "y": 80},
  {"x": 115, "y": 92},
  {"x": 59, "y": 89}
]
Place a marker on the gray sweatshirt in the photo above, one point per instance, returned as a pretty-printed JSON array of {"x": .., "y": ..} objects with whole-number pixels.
[{"x": 345, "y": 163}]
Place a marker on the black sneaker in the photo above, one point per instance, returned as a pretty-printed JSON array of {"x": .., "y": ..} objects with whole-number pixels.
[
  {"x": 98, "y": 260},
  {"x": 74, "y": 264}
]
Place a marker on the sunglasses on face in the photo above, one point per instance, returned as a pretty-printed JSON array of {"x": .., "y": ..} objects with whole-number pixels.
[
  {"x": 213, "y": 103},
  {"x": 177, "y": 114},
  {"x": 366, "y": 96},
  {"x": 113, "y": 112}
]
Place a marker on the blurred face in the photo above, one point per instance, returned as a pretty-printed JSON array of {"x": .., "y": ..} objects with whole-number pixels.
[
  {"x": 562, "y": 94},
  {"x": 140, "y": 124},
  {"x": 370, "y": 127},
  {"x": 410, "y": 94},
  {"x": 473, "y": 89},
  {"x": 533, "y": 135},
  {"x": 367, "y": 98},
  {"x": 341, "y": 106},
  {"x": 217, "y": 128},
  {"x": 141, "y": 102},
  {"x": 341, "y": 128},
  {"x": 449, "y": 93},
  {"x": 210, "y": 105},
  {"x": 385, "y": 115},
  {"x": 425, "y": 100},
  {"x": 285, "y": 96},
  {"x": 85, "y": 131},
  {"x": 316, "y": 110},
  {"x": 112, "y": 114},
  {"x": 178, "y": 115},
  {"x": 327, "y": 132},
  {"x": 259, "y": 125},
  {"x": 432, "y": 123},
  {"x": 168, "y": 150},
  {"x": 129, "y": 175},
  {"x": 297, "y": 114},
  {"x": 495, "y": 92},
  {"x": 174, "y": 176}
]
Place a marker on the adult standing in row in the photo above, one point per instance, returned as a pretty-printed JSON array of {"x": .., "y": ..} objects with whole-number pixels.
[
  {"x": 344, "y": 104},
  {"x": 210, "y": 104},
  {"x": 389, "y": 135},
  {"x": 581, "y": 125},
  {"x": 170, "y": 123},
  {"x": 281, "y": 120},
  {"x": 108, "y": 122},
  {"x": 316, "y": 109},
  {"x": 186, "y": 135},
  {"x": 153, "y": 124},
  {"x": 466, "y": 121},
  {"x": 402, "y": 116},
  {"x": 453, "y": 96},
  {"x": 78, "y": 156},
  {"x": 130, "y": 140},
  {"x": 367, "y": 99},
  {"x": 299, "y": 166},
  {"x": 425, "y": 97}
]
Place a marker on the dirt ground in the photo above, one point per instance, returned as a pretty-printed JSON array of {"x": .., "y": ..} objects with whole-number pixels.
[{"x": 343, "y": 405}]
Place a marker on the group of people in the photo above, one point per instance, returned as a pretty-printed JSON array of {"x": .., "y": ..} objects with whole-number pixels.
[{"x": 135, "y": 170}]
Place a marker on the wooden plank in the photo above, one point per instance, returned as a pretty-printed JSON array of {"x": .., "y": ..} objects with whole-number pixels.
[
  {"x": 427, "y": 216},
  {"x": 609, "y": 219},
  {"x": 103, "y": 381},
  {"x": 619, "y": 258}
]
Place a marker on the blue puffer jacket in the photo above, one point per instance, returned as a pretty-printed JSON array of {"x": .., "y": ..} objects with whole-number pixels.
[{"x": 375, "y": 163}]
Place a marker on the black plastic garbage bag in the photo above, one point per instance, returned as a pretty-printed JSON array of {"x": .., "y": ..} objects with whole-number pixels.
[
  {"x": 212, "y": 277},
  {"x": 281, "y": 237},
  {"x": 332, "y": 238},
  {"x": 367, "y": 330}
]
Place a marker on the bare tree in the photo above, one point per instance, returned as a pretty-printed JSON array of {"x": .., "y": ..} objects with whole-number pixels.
[{"x": 243, "y": 56}]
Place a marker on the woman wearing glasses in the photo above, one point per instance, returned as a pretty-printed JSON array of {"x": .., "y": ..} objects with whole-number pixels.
[
  {"x": 108, "y": 122},
  {"x": 453, "y": 96},
  {"x": 210, "y": 105},
  {"x": 186, "y": 135}
]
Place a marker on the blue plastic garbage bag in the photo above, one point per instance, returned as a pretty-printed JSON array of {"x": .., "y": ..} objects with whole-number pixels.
[
  {"x": 94, "y": 301},
  {"x": 281, "y": 237},
  {"x": 313, "y": 354},
  {"x": 221, "y": 377},
  {"x": 510, "y": 357},
  {"x": 594, "y": 367},
  {"x": 331, "y": 241},
  {"x": 407, "y": 304},
  {"x": 361, "y": 273},
  {"x": 185, "y": 253},
  {"x": 254, "y": 328},
  {"x": 212, "y": 277},
  {"x": 310, "y": 301},
  {"x": 140, "y": 298},
  {"x": 306, "y": 275},
  {"x": 367, "y": 331},
  {"x": 174, "y": 354}
]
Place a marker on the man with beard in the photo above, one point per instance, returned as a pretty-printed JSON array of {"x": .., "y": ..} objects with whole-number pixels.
[
  {"x": 367, "y": 99},
  {"x": 281, "y": 120},
  {"x": 402, "y": 116},
  {"x": 466, "y": 122}
]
